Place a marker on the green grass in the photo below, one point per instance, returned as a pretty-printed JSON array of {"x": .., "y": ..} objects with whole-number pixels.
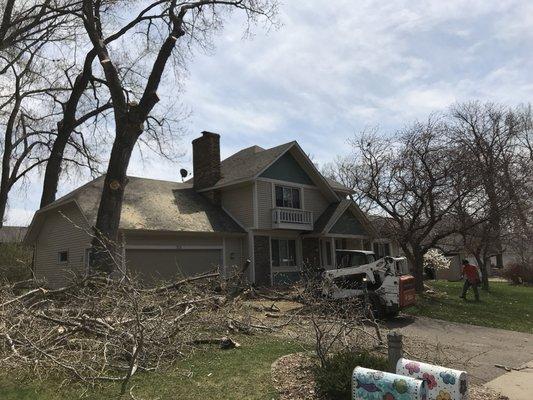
[
  {"x": 242, "y": 373},
  {"x": 504, "y": 306}
]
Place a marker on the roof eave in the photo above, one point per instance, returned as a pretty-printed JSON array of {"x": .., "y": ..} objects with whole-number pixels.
[{"x": 31, "y": 234}]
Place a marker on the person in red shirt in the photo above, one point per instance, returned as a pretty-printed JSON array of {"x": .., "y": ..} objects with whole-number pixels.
[{"x": 471, "y": 276}]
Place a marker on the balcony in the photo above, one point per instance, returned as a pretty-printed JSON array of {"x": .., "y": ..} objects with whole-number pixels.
[{"x": 291, "y": 218}]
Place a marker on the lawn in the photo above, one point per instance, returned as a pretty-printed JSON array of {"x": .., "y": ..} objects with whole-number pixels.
[
  {"x": 242, "y": 373},
  {"x": 504, "y": 306}
]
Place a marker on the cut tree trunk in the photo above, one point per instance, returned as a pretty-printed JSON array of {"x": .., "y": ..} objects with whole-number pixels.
[{"x": 105, "y": 253}]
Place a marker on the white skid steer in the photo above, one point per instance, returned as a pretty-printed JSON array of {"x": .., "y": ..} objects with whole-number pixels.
[{"x": 385, "y": 282}]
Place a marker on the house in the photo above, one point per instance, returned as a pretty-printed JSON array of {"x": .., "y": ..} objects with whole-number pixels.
[
  {"x": 12, "y": 234},
  {"x": 271, "y": 206}
]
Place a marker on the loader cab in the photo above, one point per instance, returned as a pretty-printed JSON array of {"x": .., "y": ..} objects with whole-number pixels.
[{"x": 354, "y": 258}]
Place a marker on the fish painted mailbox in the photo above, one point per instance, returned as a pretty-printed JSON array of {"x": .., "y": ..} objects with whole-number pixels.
[
  {"x": 442, "y": 383},
  {"x": 369, "y": 384}
]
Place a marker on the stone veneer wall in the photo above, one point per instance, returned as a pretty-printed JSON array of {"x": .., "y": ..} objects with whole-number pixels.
[
  {"x": 310, "y": 253},
  {"x": 262, "y": 260}
]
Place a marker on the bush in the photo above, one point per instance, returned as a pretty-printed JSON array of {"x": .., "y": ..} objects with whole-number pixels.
[
  {"x": 14, "y": 273},
  {"x": 334, "y": 379},
  {"x": 518, "y": 273},
  {"x": 14, "y": 262}
]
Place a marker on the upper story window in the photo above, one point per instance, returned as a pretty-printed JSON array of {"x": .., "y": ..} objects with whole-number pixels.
[{"x": 287, "y": 197}]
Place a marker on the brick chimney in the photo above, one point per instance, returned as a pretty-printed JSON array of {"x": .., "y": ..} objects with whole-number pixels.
[{"x": 206, "y": 160}]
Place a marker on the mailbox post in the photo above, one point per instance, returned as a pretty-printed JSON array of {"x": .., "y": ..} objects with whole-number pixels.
[{"x": 395, "y": 346}]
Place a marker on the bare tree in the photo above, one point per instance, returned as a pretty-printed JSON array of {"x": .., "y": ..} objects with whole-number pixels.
[
  {"x": 341, "y": 171},
  {"x": 175, "y": 22},
  {"x": 31, "y": 85},
  {"x": 29, "y": 23},
  {"x": 71, "y": 120},
  {"x": 410, "y": 178},
  {"x": 486, "y": 135},
  {"x": 25, "y": 137}
]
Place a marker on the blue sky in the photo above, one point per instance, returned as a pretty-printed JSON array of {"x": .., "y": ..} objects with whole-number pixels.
[{"x": 334, "y": 68}]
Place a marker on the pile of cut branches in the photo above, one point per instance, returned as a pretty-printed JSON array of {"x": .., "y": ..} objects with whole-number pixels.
[{"x": 99, "y": 329}]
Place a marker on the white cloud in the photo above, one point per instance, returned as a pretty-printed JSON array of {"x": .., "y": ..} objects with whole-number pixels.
[
  {"x": 19, "y": 216},
  {"x": 334, "y": 68}
]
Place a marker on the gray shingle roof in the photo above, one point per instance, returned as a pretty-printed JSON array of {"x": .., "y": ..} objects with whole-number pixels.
[
  {"x": 339, "y": 186},
  {"x": 156, "y": 205},
  {"x": 162, "y": 205},
  {"x": 247, "y": 163}
]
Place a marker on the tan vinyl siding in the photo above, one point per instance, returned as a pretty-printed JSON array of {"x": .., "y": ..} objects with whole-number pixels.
[
  {"x": 238, "y": 202},
  {"x": 315, "y": 201},
  {"x": 59, "y": 234},
  {"x": 264, "y": 204}
]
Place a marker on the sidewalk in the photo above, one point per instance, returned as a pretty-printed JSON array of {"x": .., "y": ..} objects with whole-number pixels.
[{"x": 517, "y": 385}]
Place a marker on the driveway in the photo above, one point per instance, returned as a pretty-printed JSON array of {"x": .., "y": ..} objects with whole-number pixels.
[{"x": 481, "y": 347}]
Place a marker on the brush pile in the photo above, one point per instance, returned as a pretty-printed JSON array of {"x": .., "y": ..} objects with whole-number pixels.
[{"x": 102, "y": 330}]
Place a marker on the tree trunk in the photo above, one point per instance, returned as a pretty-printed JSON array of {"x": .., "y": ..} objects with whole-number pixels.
[
  {"x": 418, "y": 270},
  {"x": 64, "y": 130},
  {"x": 53, "y": 166},
  {"x": 3, "y": 204},
  {"x": 105, "y": 252},
  {"x": 5, "y": 177},
  {"x": 482, "y": 263}
]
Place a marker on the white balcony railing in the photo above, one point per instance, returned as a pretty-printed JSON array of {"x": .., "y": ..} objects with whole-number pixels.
[{"x": 287, "y": 218}]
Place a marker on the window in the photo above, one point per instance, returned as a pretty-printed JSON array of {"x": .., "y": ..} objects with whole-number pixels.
[
  {"x": 353, "y": 259},
  {"x": 62, "y": 257},
  {"x": 287, "y": 197},
  {"x": 283, "y": 253},
  {"x": 381, "y": 250}
]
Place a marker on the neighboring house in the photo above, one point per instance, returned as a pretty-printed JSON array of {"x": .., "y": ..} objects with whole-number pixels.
[
  {"x": 12, "y": 234},
  {"x": 271, "y": 206}
]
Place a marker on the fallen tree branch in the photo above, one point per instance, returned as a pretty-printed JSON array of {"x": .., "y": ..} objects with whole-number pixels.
[{"x": 177, "y": 284}]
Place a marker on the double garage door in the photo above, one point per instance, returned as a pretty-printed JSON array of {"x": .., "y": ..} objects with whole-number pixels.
[{"x": 162, "y": 264}]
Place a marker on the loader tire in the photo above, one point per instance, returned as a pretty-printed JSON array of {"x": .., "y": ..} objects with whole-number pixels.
[{"x": 379, "y": 311}]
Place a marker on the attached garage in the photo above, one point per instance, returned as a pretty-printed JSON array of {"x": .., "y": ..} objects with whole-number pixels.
[
  {"x": 168, "y": 228},
  {"x": 154, "y": 265}
]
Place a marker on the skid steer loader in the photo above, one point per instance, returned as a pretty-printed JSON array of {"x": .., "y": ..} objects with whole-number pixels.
[{"x": 385, "y": 283}]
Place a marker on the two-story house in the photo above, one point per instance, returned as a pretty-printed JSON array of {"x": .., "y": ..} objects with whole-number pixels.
[{"x": 271, "y": 206}]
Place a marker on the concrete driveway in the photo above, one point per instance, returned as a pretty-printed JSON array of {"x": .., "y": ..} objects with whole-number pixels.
[{"x": 479, "y": 346}]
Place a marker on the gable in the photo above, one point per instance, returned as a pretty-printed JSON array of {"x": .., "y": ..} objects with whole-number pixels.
[
  {"x": 287, "y": 169},
  {"x": 348, "y": 224}
]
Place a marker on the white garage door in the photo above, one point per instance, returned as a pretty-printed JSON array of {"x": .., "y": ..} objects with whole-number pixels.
[{"x": 153, "y": 265}]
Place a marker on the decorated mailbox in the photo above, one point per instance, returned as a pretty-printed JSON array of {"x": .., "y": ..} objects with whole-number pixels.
[
  {"x": 369, "y": 384},
  {"x": 442, "y": 383}
]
